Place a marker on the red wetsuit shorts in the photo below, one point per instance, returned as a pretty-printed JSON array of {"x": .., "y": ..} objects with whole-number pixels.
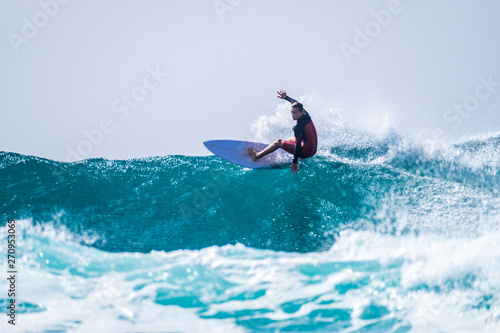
[{"x": 307, "y": 150}]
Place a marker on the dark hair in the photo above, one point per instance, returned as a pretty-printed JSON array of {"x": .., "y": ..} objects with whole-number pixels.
[{"x": 298, "y": 106}]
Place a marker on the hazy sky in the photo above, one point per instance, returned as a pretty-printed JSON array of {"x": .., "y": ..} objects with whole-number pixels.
[{"x": 125, "y": 79}]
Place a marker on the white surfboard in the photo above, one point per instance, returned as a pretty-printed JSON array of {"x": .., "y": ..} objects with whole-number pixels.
[{"x": 237, "y": 152}]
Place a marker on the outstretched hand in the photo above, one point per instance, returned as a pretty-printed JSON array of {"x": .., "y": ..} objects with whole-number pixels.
[
  {"x": 294, "y": 168},
  {"x": 281, "y": 94}
]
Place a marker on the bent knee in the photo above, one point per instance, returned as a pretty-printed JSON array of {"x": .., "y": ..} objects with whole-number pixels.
[{"x": 278, "y": 143}]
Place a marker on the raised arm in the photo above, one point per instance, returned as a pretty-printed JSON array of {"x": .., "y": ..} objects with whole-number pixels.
[
  {"x": 291, "y": 100},
  {"x": 282, "y": 94}
]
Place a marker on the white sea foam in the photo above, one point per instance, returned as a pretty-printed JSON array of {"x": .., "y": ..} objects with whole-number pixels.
[{"x": 427, "y": 282}]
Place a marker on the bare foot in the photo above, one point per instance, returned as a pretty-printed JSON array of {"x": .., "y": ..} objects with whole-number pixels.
[{"x": 253, "y": 154}]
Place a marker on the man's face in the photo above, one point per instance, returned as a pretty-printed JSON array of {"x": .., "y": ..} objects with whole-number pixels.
[{"x": 296, "y": 114}]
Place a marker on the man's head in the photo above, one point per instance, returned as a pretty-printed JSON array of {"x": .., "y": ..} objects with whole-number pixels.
[{"x": 297, "y": 110}]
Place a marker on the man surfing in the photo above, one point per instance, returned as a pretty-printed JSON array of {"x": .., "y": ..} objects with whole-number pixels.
[{"x": 302, "y": 145}]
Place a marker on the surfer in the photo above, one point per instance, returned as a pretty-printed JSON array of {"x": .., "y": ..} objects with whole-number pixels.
[{"x": 304, "y": 142}]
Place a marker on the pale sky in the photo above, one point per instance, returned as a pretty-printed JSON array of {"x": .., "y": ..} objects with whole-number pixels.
[{"x": 128, "y": 79}]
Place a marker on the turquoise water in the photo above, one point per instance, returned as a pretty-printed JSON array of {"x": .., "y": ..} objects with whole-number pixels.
[{"x": 384, "y": 236}]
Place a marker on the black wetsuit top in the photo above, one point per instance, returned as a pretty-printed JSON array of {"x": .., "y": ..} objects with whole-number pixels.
[{"x": 300, "y": 133}]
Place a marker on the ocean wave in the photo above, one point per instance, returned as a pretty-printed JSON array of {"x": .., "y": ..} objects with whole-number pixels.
[
  {"x": 189, "y": 202},
  {"x": 367, "y": 281}
]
